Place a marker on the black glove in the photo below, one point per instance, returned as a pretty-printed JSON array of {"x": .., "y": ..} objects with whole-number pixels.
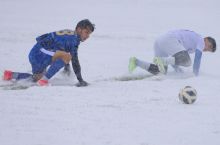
[
  {"x": 67, "y": 70},
  {"x": 82, "y": 84}
]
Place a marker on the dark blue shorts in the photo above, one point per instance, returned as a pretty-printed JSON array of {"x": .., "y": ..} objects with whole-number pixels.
[{"x": 39, "y": 60}]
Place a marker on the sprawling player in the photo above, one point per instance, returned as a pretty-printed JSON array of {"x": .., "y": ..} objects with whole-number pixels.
[
  {"x": 173, "y": 48},
  {"x": 55, "y": 50}
]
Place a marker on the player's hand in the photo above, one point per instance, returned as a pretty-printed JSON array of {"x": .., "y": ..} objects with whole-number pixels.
[{"x": 82, "y": 84}]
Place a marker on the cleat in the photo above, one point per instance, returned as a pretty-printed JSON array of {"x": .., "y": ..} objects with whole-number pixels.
[
  {"x": 7, "y": 75},
  {"x": 42, "y": 82},
  {"x": 132, "y": 64},
  {"x": 161, "y": 64}
]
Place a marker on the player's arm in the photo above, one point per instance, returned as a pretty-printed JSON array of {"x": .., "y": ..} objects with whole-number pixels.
[
  {"x": 77, "y": 70},
  {"x": 197, "y": 61},
  {"x": 76, "y": 66}
]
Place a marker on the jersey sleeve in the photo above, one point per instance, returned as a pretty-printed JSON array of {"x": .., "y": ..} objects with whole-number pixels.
[
  {"x": 200, "y": 44},
  {"x": 75, "y": 61},
  {"x": 77, "y": 68},
  {"x": 197, "y": 61}
]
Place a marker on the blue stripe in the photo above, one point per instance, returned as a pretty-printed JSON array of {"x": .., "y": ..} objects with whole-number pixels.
[{"x": 197, "y": 61}]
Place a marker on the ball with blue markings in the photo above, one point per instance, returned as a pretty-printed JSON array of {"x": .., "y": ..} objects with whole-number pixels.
[{"x": 188, "y": 95}]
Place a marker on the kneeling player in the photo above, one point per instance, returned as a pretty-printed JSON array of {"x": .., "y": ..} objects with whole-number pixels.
[
  {"x": 173, "y": 48},
  {"x": 55, "y": 50}
]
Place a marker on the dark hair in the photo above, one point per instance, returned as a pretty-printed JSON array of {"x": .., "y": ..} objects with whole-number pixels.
[
  {"x": 212, "y": 41},
  {"x": 85, "y": 24}
]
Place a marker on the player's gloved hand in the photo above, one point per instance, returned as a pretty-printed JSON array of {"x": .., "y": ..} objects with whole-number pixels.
[
  {"x": 82, "y": 84},
  {"x": 67, "y": 70}
]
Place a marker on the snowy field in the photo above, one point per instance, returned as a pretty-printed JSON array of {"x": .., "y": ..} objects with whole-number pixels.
[{"x": 109, "y": 111}]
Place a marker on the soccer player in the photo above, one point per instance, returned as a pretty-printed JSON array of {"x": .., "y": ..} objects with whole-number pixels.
[
  {"x": 55, "y": 50},
  {"x": 173, "y": 49}
]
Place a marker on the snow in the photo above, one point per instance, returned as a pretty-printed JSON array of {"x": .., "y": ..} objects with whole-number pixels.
[{"x": 109, "y": 112}]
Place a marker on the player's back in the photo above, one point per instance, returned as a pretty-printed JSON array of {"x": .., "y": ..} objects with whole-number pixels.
[
  {"x": 189, "y": 39},
  {"x": 59, "y": 40}
]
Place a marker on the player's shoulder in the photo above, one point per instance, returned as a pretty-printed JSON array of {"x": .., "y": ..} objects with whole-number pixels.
[{"x": 65, "y": 32}]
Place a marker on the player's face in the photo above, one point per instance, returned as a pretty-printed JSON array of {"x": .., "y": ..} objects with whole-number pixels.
[
  {"x": 84, "y": 33},
  {"x": 208, "y": 46}
]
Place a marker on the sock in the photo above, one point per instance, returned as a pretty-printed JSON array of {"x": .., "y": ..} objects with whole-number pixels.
[
  {"x": 54, "y": 68},
  {"x": 169, "y": 60},
  {"x": 20, "y": 76},
  {"x": 44, "y": 78},
  {"x": 142, "y": 64}
]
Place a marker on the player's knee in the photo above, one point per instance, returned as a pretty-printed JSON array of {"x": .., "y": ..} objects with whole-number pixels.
[
  {"x": 182, "y": 58},
  {"x": 66, "y": 58},
  {"x": 188, "y": 62}
]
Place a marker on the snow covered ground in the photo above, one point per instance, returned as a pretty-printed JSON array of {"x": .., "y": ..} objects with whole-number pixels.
[{"x": 109, "y": 112}]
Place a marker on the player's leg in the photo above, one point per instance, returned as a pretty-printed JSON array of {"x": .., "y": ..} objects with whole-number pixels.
[
  {"x": 160, "y": 53},
  {"x": 162, "y": 65},
  {"x": 166, "y": 49},
  {"x": 152, "y": 68},
  {"x": 59, "y": 59},
  {"x": 38, "y": 70},
  {"x": 182, "y": 58},
  {"x": 39, "y": 59},
  {"x": 64, "y": 56},
  {"x": 10, "y": 75}
]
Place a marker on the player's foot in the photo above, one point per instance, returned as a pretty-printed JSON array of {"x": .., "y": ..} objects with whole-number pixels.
[
  {"x": 42, "y": 82},
  {"x": 132, "y": 64},
  {"x": 161, "y": 64},
  {"x": 7, "y": 75}
]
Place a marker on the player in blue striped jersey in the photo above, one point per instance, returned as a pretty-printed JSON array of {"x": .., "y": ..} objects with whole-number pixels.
[{"x": 54, "y": 51}]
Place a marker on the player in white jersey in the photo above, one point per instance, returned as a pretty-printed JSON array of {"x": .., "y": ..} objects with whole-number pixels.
[{"x": 173, "y": 48}]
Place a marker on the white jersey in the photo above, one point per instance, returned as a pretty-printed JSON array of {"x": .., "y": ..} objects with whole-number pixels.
[
  {"x": 189, "y": 39},
  {"x": 178, "y": 40}
]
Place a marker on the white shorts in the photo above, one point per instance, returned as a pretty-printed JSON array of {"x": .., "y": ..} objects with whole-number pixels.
[{"x": 167, "y": 45}]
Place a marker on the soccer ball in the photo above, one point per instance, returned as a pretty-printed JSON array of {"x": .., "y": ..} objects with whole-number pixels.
[{"x": 188, "y": 95}]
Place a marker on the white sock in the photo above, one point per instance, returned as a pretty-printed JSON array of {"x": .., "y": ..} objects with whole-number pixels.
[
  {"x": 169, "y": 60},
  {"x": 44, "y": 78},
  {"x": 142, "y": 64}
]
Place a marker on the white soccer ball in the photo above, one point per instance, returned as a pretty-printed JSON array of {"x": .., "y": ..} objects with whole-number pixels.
[{"x": 188, "y": 95}]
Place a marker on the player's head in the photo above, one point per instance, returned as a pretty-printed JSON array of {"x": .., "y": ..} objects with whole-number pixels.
[
  {"x": 210, "y": 44},
  {"x": 84, "y": 28}
]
